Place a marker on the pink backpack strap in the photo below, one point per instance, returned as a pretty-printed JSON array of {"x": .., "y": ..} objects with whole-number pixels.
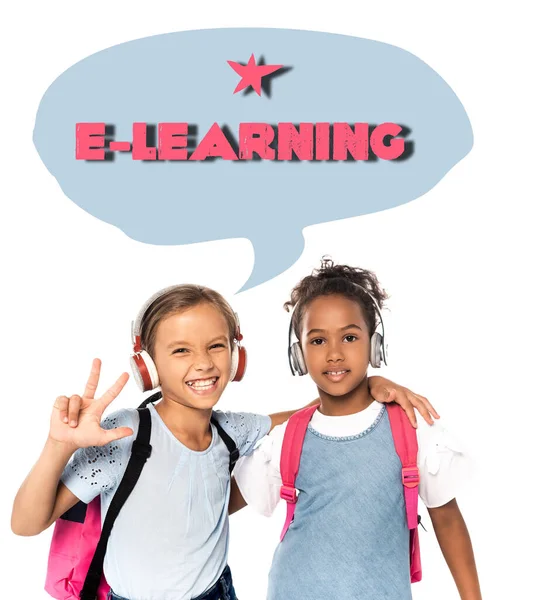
[
  {"x": 405, "y": 440},
  {"x": 290, "y": 457}
]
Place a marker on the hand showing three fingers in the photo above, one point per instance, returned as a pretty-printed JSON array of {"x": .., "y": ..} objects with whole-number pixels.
[{"x": 76, "y": 420}]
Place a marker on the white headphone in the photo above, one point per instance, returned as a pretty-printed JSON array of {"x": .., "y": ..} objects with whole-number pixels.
[
  {"x": 143, "y": 367},
  {"x": 378, "y": 353}
]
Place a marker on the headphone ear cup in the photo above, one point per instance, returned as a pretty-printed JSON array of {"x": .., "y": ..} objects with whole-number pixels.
[
  {"x": 144, "y": 371},
  {"x": 234, "y": 360},
  {"x": 376, "y": 350},
  {"x": 242, "y": 363},
  {"x": 239, "y": 363},
  {"x": 298, "y": 362}
]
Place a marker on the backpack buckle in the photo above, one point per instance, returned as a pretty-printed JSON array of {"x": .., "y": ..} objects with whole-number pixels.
[
  {"x": 141, "y": 450},
  {"x": 234, "y": 456},
  {"x": 290, "y": 494},
  {"x": 410, "y": 477},
  {"x": 233, "y": 459}
]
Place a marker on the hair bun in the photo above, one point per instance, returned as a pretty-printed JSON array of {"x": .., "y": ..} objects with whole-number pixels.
[{"x": 337, "y": 279}]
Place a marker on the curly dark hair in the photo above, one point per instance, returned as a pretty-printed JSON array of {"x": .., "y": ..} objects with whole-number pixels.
[{"x": 330, "y": 279}]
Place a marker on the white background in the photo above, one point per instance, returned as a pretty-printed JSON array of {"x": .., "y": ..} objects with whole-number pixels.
[{"x": 459, "y": 264}]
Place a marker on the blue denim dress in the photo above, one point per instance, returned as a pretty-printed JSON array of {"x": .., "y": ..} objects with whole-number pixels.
[{"x": 349, "y": 538}]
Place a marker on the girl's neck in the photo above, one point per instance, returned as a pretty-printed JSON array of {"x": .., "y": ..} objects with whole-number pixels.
[
  {"x": 355, "y": 401},
  {"x": 191, "y": 426}
]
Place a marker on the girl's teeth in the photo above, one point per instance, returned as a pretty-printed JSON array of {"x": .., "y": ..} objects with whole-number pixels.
[{"x": 201, "y": 385}]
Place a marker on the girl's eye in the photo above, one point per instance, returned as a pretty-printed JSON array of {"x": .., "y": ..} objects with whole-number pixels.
[
  {"x": 350, "y": 338},
  {"x": 317, "y": 341},
  {"x": 217, "y": 346},
  {"x": 180, "y": 351}
]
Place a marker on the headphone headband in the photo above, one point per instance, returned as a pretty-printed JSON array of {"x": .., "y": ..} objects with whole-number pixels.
[{"x": 137, "y": 323}]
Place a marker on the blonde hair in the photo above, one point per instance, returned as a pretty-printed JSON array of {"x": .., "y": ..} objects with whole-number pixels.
[{"x": 176, "y": 300}]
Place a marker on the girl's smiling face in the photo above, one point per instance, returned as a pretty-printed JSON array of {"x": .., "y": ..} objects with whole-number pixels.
[
  {"x": 335, "y": 340},
  {"x": 192, "y": 353}
]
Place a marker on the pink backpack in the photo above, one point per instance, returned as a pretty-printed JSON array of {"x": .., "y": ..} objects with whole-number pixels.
[
  {"x": 75, "y": 568},
  {"x": 405, "y": 440},
  {"x": 79, "y": 544}
]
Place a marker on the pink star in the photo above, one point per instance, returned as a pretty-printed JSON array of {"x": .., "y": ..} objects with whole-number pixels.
[{"x": 251, "y": 74}]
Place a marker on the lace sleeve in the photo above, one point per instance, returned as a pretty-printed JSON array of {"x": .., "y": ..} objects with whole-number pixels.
[
  {"x": 246, "y": 429},
  {"x": 98, "y": 469}
]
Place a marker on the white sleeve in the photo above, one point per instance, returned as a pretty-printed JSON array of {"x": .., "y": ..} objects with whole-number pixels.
[
  {"x": 259, "y": 475},
  {"x": 444, "y": 466}
]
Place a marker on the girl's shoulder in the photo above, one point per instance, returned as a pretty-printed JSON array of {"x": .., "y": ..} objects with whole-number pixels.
[
  {"x": 245, "y": 428},
  {"x": 437, "y": 438},
  {"x": 98, "y": 469},
  {"x": 124, "y": 417}
]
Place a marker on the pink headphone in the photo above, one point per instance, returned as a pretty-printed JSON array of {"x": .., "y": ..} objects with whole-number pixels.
[{"x": 143, "y": 367}]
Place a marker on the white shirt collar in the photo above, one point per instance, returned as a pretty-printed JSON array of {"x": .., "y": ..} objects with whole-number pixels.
[{"x": 346, "y": 425}]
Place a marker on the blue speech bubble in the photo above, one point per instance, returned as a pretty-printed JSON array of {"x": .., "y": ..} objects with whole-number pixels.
[{"x": 184, "y": 77}]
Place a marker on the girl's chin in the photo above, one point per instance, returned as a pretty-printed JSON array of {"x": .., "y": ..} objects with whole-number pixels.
[
  {"x": 191, "y": 399},
  {"x": 198, "y": 403},
  {"x": 336, "y": 390}
]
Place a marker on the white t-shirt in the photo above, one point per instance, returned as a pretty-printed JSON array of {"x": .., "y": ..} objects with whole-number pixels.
[
  {"x": 442, "y": 463},
  {"x": 170, "y": 540}
]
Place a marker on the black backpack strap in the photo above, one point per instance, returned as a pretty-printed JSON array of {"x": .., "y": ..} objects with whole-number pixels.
[
  {"x": 140, "y": 452},
  {"x": 153, "y": 398},
  {"x": 229, "y": 443}
]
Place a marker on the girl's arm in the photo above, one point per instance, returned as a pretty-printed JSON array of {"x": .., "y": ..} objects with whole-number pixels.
[
  {"x": 237, "y": 501},
  {"x": 75, "y": 423},
  {"x": 41, "y": 500},
  {"x": 456, "y": 547}
]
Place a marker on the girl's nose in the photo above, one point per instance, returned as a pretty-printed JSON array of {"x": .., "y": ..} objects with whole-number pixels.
[
  {"x": 203, "y": 362},
  {"x": 334, "y": 353}
]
